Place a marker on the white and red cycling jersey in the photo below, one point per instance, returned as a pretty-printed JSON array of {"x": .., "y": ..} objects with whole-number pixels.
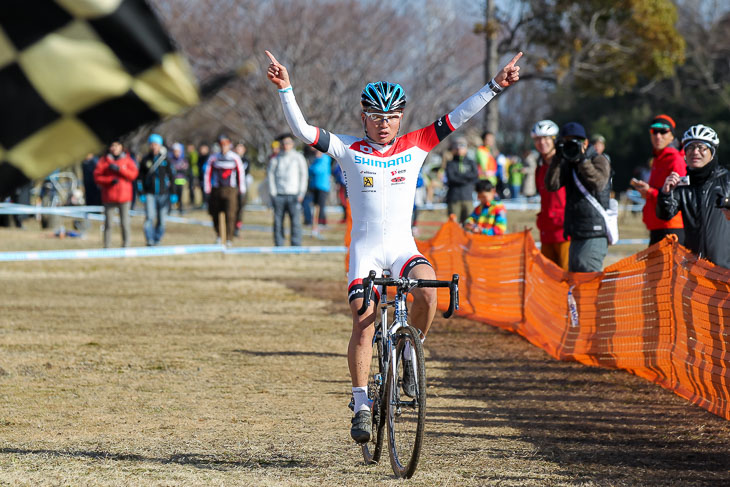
[{"x": 381, "y": 184}]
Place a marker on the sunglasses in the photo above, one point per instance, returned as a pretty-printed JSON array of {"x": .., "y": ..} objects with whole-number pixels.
[
  {"x": 659, "y": 131},
  {"x": 700, "y": 147}
]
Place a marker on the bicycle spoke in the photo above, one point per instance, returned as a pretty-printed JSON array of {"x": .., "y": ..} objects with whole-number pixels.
[{"x": 406, "y": 415}]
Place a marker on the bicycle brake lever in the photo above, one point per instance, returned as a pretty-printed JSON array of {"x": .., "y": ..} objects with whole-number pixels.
[{"x": 367, "y": 285}]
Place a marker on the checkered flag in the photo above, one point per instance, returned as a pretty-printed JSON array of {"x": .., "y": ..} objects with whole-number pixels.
[{"x": 74, "y": 75}]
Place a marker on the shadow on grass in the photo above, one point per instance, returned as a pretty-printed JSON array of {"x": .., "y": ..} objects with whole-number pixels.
[
  {"x": 287, "y": 353},
  {"x": 211, "y": 462},
  {"x": 592, "y": 422}
]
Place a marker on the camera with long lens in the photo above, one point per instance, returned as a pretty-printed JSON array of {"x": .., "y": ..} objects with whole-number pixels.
[
  {"x": 570, "y": 150},
  {"x": 723, "y": 202}
]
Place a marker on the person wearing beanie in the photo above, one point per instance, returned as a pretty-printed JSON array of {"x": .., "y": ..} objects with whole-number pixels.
[
  {"x": 584, "y": 224},
  {"x": 703, "y": 201},
  {"x": 667, "y": 159},
  {"x": 154, "y": 185}
]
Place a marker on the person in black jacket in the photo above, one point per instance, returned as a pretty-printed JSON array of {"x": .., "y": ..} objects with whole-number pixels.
[
  {"x": 703, "y": 200},
  {"x": 153, "y": 185},
  {"x": 584, "y": 224},
  {"x": 461, "y": 174}
]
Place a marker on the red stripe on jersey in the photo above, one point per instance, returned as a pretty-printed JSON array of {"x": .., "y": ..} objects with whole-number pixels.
[
  {"x": 316, "y": 139},
  {"x": 448, "y": 122}
]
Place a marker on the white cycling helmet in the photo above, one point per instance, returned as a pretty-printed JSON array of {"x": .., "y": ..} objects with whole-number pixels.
[
  {"x": 701, "y": 133},
  {"x": 545, "y": 128}
]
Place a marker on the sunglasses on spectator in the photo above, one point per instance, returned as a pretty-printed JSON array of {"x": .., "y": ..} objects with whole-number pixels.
[
  {"x": 379, "y": 117},
  {"x": 659, "y": 131}
]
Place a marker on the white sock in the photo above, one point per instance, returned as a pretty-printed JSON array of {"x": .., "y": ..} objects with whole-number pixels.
[{"x": 361, "y": 398}]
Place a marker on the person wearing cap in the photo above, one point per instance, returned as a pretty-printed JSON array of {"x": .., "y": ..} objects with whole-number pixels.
[
  {"x": 115, "y": 174},
  {"x": 584, "y": 224},
  {"x": 598, "y": 142},
  {"x": 223, "y": 182},
  {"x": 288, "y": 178},
  {"x": 703, "y": 201},
  {"x": 461, "y": 174},
  {"x": 667, "y": 159},
  {"x": 154, "y": 185}
]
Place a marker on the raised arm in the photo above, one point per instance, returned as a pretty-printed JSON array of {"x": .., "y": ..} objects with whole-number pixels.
[
  {"x": 506, "y": 77},
  {"x": 279, "y": 76}
]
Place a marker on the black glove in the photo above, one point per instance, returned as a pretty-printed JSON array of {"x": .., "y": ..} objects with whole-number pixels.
[
  {"x": 114, "y": 167},
  {"x": 114, "y": 181}
]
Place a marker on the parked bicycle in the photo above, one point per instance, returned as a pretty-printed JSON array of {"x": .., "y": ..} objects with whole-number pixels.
[{"x": 405, "y": 415}]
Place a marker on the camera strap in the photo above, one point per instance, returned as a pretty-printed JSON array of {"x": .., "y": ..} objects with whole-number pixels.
[{"x": 610, "y": 220}]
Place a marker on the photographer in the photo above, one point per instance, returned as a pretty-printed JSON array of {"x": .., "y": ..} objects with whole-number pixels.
[
  {"x": 703, "y": 200},
  {"x": 584, "y": 224}
]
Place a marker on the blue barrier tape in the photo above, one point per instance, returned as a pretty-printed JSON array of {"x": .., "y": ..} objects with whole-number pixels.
[{"x": 81, "y": 254}]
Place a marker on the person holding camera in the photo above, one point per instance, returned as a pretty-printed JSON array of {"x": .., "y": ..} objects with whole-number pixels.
[
  {"x": 581, "y": 171},
  {"x": 703, "y": 199}
]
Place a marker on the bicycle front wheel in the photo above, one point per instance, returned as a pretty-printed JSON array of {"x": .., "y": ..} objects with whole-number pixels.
[
  {"x": 406, "y": 415},
  {"x": 372, "y": 449}
]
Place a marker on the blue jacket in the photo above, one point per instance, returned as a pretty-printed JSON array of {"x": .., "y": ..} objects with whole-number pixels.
[{"x": 320, "y": 172}]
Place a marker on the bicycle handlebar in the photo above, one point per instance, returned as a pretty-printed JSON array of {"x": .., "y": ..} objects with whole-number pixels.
[{"x": 371, "y": 281}]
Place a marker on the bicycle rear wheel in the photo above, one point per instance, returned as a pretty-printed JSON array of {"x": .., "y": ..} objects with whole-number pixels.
[
  {"x": 406, "y": 416},
  {"x": 372, "y": 449}
]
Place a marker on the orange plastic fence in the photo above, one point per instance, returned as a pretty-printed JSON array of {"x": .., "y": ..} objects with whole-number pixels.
[{"x": 661, "y": 314}]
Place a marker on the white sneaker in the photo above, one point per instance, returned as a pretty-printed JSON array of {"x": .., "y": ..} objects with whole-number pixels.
[
  {"x": 218, "y": 241},
  {"x": 229, "y": 243}
]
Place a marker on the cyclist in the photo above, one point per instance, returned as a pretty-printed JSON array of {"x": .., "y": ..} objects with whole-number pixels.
[{"x": 381, "y": 171}]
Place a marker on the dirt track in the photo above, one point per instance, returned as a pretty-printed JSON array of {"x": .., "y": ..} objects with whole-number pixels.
[{"x": 200, "y": 370}]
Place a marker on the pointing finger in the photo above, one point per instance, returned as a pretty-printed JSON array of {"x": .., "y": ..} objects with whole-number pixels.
[
  {"x": 271, "y": 58},
  {"x": 514, "y": 59}
]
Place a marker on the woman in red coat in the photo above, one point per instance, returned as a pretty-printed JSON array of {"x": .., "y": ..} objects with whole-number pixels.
[{"x": 114, "y": 174}]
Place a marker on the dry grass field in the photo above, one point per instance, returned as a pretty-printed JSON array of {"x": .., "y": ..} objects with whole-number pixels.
[{"x": 207, "y": 370}]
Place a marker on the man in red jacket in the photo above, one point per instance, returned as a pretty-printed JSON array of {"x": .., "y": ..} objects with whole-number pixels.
[
  {"x": 115, "y": 174},
  {"x": 553, "y": 243},
  {"x": 667, "y": 159}
]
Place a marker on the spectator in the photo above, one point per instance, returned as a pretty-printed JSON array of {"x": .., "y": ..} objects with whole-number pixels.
[
  {"x": 182, "y": 174},
  {"x": 92, "y": 193},
  {"x": 703, "y": 202},
  {"x": 667, "y": 159},
  {"x": 515, "y": 176},
  {"x": 598, "y": 142},
  {"x": 240, "y": 150},
  {"x": 288, "y": 177},
  {"x": 586, "y": 227},
  {"x": 115, "y": 174},
  {"x": 486, "y": 159},
  {"x": 550, "y": 219},
  {"x": 203, "y": 155},
  {"x": 490, "y": 216},
  {"x": 223, "y": 183},
  {"x": 154, "y": 184},
  {"x": 192, "y": 154},
  {"x": 529, "y": 186},
  {"x": 320, "y": 174},
  {"x": 461, "y": 174}
]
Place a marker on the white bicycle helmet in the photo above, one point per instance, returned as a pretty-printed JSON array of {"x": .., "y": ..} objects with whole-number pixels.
[
  {"x": 701, "y": 133},
  {"x": 545, "y": 128}
]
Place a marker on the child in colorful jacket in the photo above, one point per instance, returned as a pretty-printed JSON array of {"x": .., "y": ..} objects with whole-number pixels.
[{"x": 490, "y": 216}]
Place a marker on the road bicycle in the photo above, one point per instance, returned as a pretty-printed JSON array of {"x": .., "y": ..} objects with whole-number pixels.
[{"x": 404, "y": 415}]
